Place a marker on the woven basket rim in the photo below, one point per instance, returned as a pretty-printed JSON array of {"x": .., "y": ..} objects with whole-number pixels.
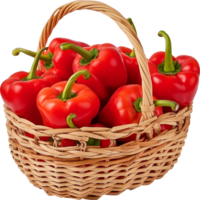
[
  {"x": 20, "y": 125},
  {"x": 48, "y": 131}
]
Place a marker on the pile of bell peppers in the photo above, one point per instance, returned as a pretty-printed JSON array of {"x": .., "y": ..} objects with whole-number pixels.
[{"x": 97, "y": 86}]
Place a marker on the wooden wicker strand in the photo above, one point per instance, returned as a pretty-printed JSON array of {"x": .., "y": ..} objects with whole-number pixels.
[
  {"x": 83, "y": 134},
  {"x": 83, "y": 172}
]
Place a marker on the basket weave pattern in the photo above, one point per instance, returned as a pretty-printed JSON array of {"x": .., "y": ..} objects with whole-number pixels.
[{"x": 90, "y": 172}]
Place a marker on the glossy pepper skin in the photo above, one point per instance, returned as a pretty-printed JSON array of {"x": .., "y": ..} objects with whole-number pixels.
[
  {"x": 20, "y": 90},
  {"x": 68, "y": 143},
  {"x": 174, "y": 79},
  {"x": 130, "y": 62},
  {"x": 68, "y": 100},
  {"x": 54, "y": 59},
  {"x": 124, "y": 108},
  {"x": 58, "y": 41},
  {"x": 131, "y": 65},
  {"x": 106, "y": 66},
  {"x": 45, "y": 139}
]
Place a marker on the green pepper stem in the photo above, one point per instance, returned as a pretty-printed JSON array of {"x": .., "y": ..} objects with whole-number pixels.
[
  {"x": 69, "y": 120},
  {"x": 132, "y": 54},
  {"x": 166, "y": 103},
  {"x": 32, "y": 74},
  {"x": 169, "y": 64},
  {"x": 91, "y": 141},
  {"x": 131, "y": 22},
  {"x": 67, "y": 94},
  {"x": 158, "y": 103},
  {"x": 88, "y": 56},
  {"x": 44, "y": 58}
]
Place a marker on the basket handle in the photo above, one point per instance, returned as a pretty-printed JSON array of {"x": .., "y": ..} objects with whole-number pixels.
[{"x": 147, "y": 103}]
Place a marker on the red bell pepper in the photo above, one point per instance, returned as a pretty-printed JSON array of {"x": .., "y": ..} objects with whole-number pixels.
[
  {"x": 20, "y": 90},
  {"x": 105, "y": 65},
  {"x": 55, "y": 60},
  {"x": 68, "y": 100},
  {"x": 130, "y": 62},
  {"x": 69, "y": 142},
  {"x": 174, "y": 79},
  {"x": 24, "y": 86},
  {"x": 124, "y": 108}
]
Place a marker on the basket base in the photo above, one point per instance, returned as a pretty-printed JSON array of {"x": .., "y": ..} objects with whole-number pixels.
[{"x": 162, "y": 160}]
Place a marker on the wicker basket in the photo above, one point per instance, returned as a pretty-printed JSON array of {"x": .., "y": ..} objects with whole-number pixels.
[{"x": 88, "y": 172}]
